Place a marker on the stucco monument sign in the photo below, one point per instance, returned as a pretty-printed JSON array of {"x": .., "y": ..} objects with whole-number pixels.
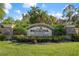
[{"x": 39, "y": 30}]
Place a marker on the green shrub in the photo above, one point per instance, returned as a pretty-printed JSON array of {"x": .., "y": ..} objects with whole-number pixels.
[
  {"x": 40, "y": 39},
  {"x": 2, "y": 37},
  {"x": 47, "y": 39},
  {"x": 59, "y": 29},
  {"x": 75, "y": 37},
  {"x": 44, "y": 39},
  {"x": 23, "y": 38},
  {"x": 20, "y": 38},
  {"x": 19, "y": 30},
  {"x": 58, "y": 38}
]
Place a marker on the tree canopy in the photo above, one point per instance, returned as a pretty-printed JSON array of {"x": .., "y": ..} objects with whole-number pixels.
[{"x": 2, "y": 12}]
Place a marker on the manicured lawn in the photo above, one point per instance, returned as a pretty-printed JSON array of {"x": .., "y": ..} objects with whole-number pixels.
[{"x": 51, "y": 49}]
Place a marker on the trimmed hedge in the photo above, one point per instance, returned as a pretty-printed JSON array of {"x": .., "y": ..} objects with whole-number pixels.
[
  {"x": 58, "y": 38},
  {"x": 20, "y": 38},
  {"x": 43, "y": 39},
  {"x": 75, "y": 37},
  {"x": 2, "y": 37},
  {"x": 24, "y": 38},
  {"x": 47, "y": 39},
  {"x": 38, "y": 39}
]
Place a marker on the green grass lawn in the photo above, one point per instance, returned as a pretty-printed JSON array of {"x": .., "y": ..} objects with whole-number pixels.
[{"x": 50, "y": 49}]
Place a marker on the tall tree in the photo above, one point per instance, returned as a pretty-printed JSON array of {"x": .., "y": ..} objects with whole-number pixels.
[
  {"x": 68, "y": 11},
  {"x": 2, "y": 12},
  {"x": 38, "y": 15},
  {"x": 52, "y": 19},
  {"x": 77, "y": 10},
  {"x": 75, "y": 18},
  {"x": 9, "y": 20}
]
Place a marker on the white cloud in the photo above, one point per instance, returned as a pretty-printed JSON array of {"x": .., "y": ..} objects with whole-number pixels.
[
  {"x": 8, "y": 6},
  {"x": 27, "y": 5},
  {"x": 24, "y": 13},
  {"x": 18, "y": 11},
  {"x": 18, "y": 17},
  {"x": 58, "y": 15}
]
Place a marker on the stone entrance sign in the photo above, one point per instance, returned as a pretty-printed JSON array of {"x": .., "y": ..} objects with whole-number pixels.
[{"x": 39, "y": 30}]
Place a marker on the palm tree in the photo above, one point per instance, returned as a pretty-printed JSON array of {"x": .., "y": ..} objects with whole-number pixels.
[
  {"x": 53, "y": 19},
  {"x": 77, "y": 10},
  {"x": 68, "y": 11},
  {"x": 75, "y": 18},
  {"x": 33, "y": 14},
  {"x": 38, "y": 15},
  {"x": 2, "y": 12}
]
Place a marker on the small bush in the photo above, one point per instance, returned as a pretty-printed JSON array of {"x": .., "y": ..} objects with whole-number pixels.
[
  {"x": 58, "y": 38},
  {"x": 20, "y": 38},
  {"x": 2, "y": 37},
  {"x": 75, "y": 37},
  {"x": 23, "y": 38},
  {"x": 47, "y": 39},
  {"x": 44, "y": 39},
  {"x": 19, "y": 30},
  {"x": 59, "y": 29},
  {"x": 40, "y": 39}
]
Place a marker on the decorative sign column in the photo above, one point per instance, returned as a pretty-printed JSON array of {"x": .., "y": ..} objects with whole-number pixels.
[{"x": 70, "y": 29}]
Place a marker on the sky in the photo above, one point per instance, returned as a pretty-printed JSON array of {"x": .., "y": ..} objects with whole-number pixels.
[{"x": 16, "y": 10}]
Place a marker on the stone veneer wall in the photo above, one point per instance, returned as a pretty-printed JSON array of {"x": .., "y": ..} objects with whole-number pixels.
[{"x": 8, "y": 31}]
